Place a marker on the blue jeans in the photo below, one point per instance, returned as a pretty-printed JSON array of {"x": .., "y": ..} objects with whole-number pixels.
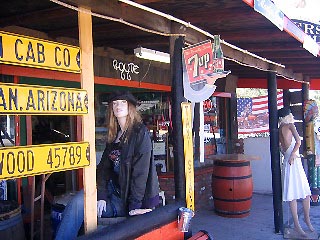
[{"x": 73, "y": 215}]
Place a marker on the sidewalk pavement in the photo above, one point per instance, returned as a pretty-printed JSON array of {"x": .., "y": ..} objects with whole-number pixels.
[{"x": 258, "y": 225}]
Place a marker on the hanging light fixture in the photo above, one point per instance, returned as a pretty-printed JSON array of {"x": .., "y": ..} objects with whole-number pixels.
[{"x": 153, "y": 55}]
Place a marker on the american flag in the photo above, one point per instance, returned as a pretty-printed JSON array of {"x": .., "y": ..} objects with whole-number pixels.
[{"x": 253, "y": 116}]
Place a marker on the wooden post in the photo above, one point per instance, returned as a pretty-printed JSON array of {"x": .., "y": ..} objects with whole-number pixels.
[
  {"x": 305, "y": 97},
  {"x": 275, "y": 153},
  {"x": 88, "y": 123},
  {"x": 177, "y": 98}
]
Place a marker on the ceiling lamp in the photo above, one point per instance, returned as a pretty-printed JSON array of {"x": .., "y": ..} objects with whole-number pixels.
[{"x": 153, "y": 55}]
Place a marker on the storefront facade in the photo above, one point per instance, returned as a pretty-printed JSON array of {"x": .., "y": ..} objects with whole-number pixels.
[{"x": 151, "y": 83}]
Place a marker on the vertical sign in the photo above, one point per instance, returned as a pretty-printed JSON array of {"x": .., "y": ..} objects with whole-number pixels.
[{"x": 188, "y": 153}]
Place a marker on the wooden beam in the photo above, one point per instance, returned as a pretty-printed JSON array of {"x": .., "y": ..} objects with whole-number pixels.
[
  {"x": 257, "y": 63},
  {"x": 281, "y": 46},
  {"x": 302, "y": 54},
  {"x": 243, "y": 57},
  {"x": 231, "y": 14},
  {"x": 264, "y": 35},
  {"x": 113, "y": 8},
  {"x": 29, "y": 17},
  {"x": 87, "y": 82}
]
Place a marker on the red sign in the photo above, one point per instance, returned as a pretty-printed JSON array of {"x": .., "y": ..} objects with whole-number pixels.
[{"x": 199, "y": 61}]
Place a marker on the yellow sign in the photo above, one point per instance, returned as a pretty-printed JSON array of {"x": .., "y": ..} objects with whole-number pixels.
[
  {"x": 188, "y": 153},
  {"x": 33, "y": 52},
  {"x": 28, "y": 99},
  {"x": 25, "y": 161}
]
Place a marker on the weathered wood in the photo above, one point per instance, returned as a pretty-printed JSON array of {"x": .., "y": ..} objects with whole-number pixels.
[
  {"x": 234, "y": 157},
  {"x": 131, "y": 14},
  {"x": 87, "y": 82},
  {"x": 148, "y": 71},
  {"x": 296, "y": 97}
]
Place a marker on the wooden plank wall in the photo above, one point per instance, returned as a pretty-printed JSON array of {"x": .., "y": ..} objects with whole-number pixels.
[{"x": 149, "y": 71}]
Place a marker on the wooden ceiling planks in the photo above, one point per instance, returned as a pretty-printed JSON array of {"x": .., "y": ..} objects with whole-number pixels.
[{"x": 235, "y": 21}]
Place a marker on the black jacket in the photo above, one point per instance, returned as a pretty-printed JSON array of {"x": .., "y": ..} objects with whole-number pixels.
[{"x": 138, "y": 180}]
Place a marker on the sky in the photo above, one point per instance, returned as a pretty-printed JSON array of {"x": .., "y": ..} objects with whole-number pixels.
[{"x": 307, "y": 10}]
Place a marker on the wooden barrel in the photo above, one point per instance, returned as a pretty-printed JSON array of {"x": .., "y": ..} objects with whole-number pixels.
[
  {"x": 232, "y": 188},
  {"x": 11, "y": 224}
]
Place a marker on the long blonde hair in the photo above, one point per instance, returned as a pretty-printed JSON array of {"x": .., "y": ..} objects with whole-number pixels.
[{"x": 113, "y": 127}]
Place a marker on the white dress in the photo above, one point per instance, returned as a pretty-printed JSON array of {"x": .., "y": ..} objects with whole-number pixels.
[{"x": 295, "y": 183}]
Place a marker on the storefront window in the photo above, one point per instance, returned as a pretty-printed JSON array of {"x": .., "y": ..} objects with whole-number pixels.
[{"x": 154, "y": 108}]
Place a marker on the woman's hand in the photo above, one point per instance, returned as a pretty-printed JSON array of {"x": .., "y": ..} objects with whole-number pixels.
[
  {"x": 101, "y": 206},
  {"x": 293, "y": 156}
]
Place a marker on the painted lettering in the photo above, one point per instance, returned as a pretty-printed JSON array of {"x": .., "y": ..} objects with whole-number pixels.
[
  {"x": 78, "y": 103},
  {"x": 3, "y": 100},
  {"x": 318, "y": 30},
  {"x": 56, "y": 50},
  {"x": 13, "y": 97},
  {"x": 41, "y": 100},
  {"x": 125, "y": 69},
  {"x": 30, "y": 160},
  {"x": 11, "y": 161},
  {"x": 204, "y": 61},
  {"x": 63, "y": 101},
  {"x": 30, "y": 53},
  {"x": 26, "y": 51},
  {"x": 48, "y": 100},
  {"x": 41, "y": 55},
  {"x": 21, "y": 161},
  {"x": 18, "y": 57},
  {"x": 53, "y": 106},
  {"x": 66, "y": 57},
  {"x": 30, "y": 102},
  {"x": 309, "y": 29},
  {"x": 70, "y": 101},
  {"x": 195, "y": 60}
]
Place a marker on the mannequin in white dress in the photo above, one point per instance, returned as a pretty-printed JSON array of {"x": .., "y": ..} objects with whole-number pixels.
[{"x": 295, "y": 181}]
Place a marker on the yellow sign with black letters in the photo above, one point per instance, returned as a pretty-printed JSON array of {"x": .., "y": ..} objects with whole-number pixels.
[
  {"x": 188, "y": 153},
  {"x": 32, "y": 160},
  {"x": 32, "y": 52},
  {"x": 40, "y": 100}
]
